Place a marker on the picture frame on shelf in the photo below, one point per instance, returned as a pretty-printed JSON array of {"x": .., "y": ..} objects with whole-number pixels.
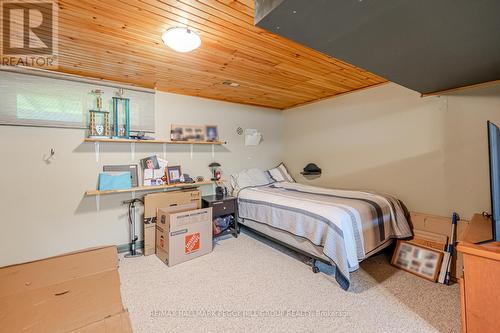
[
  {"x": 421, "y": 261},
  {"x": 192, "y": 133},
  {"x": 150, "y": 162},
  {"x": 212, "y": 134},
  {"x": 174, "y": 174}
]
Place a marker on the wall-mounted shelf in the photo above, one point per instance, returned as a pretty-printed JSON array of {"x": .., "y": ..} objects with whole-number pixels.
[
  {"x": 164, "y": 143},
  {"x": 154, "y": 141},
  {"x": 196, "y": 142},
  {"x": 148, "y": 188}
]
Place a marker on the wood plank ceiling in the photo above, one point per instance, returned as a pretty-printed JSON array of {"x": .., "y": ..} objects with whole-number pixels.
[{"x": 120, "y": 40}]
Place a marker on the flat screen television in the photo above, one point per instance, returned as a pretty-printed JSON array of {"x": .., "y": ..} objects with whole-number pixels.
[{"x": 494, "y": 149}]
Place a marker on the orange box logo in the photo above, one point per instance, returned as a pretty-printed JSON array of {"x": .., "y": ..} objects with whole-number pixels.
[{"x": 191, "y": 243}]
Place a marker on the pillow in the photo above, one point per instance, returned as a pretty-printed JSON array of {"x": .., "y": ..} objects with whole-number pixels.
[
  {"x": 250, "y": 177},
  {"x": 280, "y": 174},
  {"x": 259, "y": 177}
]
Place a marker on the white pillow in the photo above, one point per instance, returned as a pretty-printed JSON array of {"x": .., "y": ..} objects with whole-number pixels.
[
  {"x": 259, "y": 177},
  {"x": 280, "y": 174},
  {"x": 248, "y": 178}
]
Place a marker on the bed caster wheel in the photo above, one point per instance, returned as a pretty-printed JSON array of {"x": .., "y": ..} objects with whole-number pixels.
[{"x": 315, "y": 269}]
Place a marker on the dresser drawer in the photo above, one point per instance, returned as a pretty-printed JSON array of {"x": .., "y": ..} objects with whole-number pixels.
[{"x": 220, "y": 208}]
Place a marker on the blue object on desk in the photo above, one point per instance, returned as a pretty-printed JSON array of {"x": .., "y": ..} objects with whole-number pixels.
[{"x": 114, "y": 181}]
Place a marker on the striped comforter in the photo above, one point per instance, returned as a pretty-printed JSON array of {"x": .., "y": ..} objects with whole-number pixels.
[{"x": 349, "y": 225}]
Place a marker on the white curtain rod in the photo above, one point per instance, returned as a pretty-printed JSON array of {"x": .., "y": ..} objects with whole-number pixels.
[{"x": 71, "y": 77}]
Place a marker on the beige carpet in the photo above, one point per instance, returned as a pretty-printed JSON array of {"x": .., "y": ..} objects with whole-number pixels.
[{"x": 245, "y": 285}]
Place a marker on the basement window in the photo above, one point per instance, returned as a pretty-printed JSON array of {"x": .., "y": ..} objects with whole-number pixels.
[{"x": 34, "y": 100}]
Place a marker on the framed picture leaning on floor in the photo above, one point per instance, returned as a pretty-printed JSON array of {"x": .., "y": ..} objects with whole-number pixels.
[{"x": 422, "y": 261}]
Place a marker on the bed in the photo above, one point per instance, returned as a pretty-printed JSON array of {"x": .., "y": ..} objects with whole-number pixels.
[{"x": 339, "y": 227}]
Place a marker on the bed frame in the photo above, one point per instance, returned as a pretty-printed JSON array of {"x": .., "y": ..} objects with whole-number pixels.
[{"x": 313, "y": 258}]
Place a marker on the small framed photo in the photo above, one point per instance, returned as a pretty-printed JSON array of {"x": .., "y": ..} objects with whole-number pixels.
[
  {"x": 421, "y": 261},
  {"x": 150, "y": 162},
  {"x": 212, "y": 133},
  {"x": 174, "y": 174}
]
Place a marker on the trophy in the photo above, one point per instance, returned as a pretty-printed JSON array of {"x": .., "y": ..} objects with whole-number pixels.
[
  {"x": 121, "y": 117},
  {"x": 98, "y": 118}
]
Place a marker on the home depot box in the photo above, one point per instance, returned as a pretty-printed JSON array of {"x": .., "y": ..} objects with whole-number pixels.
[
  {"x": 74, "y": 291},
  {"x": 183, "y": 233},
  {"x": 159, "y": 200}
]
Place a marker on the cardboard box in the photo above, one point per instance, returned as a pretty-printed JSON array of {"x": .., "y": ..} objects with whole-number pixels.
[
  {"x": 183, "y": 233},
  {"x": 64, "y": 294},
  {"x": 118, "y": 323},
  {"x": 477, "y": 230},
  {"x": 441, "y": 225},
  {"x": 429, "y": 239},
  {"x": 166, "y": 199},
  {"x": 149, "y": 238},
  {"x": 161, "y": 200}
]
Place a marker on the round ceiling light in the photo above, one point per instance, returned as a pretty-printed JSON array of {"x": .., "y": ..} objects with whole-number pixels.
[{"x": 181, "y": 39}]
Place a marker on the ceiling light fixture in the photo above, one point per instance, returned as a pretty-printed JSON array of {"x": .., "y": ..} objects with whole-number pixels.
[{"x": 181, "y": 39}]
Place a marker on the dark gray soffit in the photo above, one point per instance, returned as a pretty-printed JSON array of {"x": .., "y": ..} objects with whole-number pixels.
[{"x": 424, "y": 45}]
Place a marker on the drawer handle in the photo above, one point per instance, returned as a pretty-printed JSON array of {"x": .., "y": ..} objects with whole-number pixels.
[{"x": 218, "y": 203}]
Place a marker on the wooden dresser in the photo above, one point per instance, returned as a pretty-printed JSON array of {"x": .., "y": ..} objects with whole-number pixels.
[{"x": 480, "y": 287}]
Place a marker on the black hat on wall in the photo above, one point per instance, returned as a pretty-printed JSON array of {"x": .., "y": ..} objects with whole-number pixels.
[{"x": 311, "y": 169}]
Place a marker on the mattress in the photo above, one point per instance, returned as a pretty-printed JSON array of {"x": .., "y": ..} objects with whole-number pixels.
[{"x": 347, "y": 226}]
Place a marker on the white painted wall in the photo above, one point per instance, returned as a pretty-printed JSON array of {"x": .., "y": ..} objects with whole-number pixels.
[
  {"x": 431, "y": 152},
  {"x": 43, "y": 209}
]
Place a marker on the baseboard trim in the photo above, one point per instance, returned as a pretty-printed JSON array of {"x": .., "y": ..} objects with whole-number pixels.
[{"x": 126, "y": 247}]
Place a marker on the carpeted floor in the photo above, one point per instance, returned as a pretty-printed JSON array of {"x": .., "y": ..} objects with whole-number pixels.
[{"x": 245, "y": 285}]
